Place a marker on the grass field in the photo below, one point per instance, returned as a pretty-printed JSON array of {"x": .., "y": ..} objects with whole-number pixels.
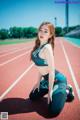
[{"x": 15, "y": 41}]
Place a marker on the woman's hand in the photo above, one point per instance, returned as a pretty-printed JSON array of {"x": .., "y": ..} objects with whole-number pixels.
[
  {"x": 36, "y": 87},
  {"x": 50, "y": 96}
]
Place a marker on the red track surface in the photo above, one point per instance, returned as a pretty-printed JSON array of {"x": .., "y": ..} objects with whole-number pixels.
[{"x": 14, "y": 101}]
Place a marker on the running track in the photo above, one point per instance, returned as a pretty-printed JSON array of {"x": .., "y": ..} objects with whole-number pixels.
[{"x": 18, "y": 75}]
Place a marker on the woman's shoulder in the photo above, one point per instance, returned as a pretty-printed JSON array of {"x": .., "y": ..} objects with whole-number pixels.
[{"x": 48, "y": 47}]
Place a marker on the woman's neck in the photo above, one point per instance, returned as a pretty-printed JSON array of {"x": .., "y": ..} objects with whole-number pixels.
[{"x": 43, "y": 42}]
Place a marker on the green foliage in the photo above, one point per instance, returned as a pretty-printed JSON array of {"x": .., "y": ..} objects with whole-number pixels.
[
  {"x": 58, "y": 31},
  {"x": 18, "y": 32},
  {"x": 31, "y": 32},
  {"x": 4, "y": 34}
]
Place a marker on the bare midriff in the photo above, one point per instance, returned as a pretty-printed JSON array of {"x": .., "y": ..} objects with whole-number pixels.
[{"x": 43, "y": 70}]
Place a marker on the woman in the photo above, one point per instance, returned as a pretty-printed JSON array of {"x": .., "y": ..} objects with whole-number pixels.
[{"x": 51, "y": 81}]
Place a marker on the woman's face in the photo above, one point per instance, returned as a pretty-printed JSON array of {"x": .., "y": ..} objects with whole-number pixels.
[{"x": 44, "y": 33}]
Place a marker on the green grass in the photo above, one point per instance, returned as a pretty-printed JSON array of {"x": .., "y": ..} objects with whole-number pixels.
[
  {"x": 15, "y": 41},
  {"x": 75, "y": 41}
]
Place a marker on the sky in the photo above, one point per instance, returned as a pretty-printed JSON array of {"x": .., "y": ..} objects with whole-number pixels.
[{"x": 24, "y": 13}]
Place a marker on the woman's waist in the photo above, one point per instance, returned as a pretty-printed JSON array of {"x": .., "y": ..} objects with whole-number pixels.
[{"x": 43, "y": 70}]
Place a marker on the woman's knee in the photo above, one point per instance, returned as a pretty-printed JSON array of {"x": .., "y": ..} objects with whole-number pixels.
[
  {"x": 65, "y": 79},
  {"x": 61, "y": 78}
]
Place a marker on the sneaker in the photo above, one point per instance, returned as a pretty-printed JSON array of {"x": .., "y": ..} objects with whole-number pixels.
[{"x": 70, "y": 94}]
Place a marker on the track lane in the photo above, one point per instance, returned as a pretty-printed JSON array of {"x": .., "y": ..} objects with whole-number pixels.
[
  {"x": 11, "y": 57},
  {"x": 14, "y": 51},
  {"x": 74, "y": 57},
  {"x": 71, "y": 110},
  {"x": 11, "y": 71},
  {"x": 7, "y": 48}
]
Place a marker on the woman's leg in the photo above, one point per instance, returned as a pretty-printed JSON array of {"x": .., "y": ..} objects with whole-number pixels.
[
  {"x": 43, "y": 89},
  {"x": 59, "y": 95},
  {"x": 69, "y": 89}
]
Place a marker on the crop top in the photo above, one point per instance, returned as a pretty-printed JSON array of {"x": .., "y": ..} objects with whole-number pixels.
[{"x": 36, "y": 58}]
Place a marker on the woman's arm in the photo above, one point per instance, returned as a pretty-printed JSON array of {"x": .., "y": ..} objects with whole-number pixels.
[
  {"x": 38, "y": 83},
  {"x": 51, "y": 69},
  {"x": 51, "y": 82}
]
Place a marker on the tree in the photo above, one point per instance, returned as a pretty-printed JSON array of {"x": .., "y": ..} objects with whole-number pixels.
[
  {"x": 4, "y": 34},
  {"x": 58, "y": 31},
  {"x": 31, "y": 32},
  {"x": 16, "y": 32}
]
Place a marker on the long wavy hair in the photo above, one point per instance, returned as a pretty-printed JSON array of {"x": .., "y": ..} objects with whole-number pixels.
[{"x": 50, "y": 40}]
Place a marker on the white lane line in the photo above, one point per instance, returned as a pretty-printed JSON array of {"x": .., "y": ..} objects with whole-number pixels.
[
  {"x": 71, "y": 71},
  {"x": 8, "y": 61},
  {"x": 16, "y": 82},
  {"x": 14, "y": 51},
  {"x": 6, "y": 50}
]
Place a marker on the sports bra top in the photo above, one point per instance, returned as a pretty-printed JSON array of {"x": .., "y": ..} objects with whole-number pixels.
[{"x": 36, "y": 58}]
